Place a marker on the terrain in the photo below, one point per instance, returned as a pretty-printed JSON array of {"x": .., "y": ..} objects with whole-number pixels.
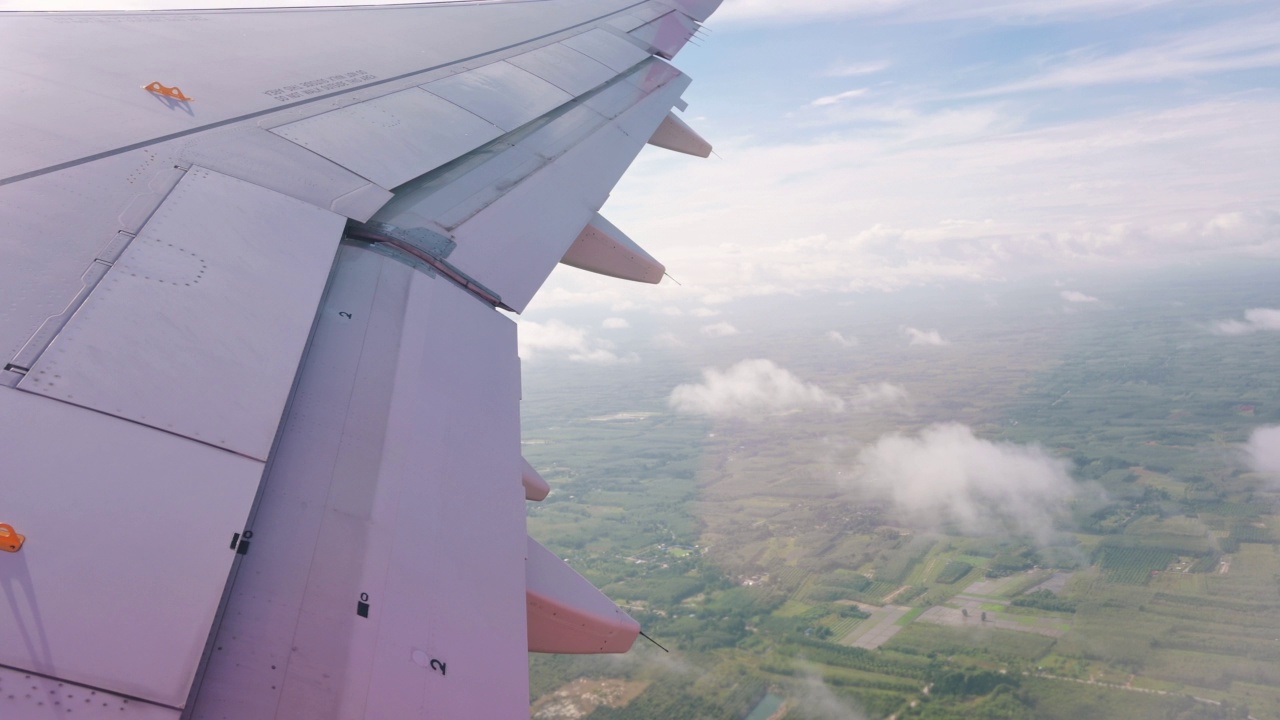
[{"x": 790, "y": 580}]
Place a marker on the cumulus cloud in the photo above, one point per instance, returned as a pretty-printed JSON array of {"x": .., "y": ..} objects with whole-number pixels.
[
  {"x": 750, "y": 388},
  {"x": 925, "y": 337},
  {"x": 1072, "y": 296},
  {"x": 703, "y": 312},
  {"x": 1264, "y": 451},
  {"x": 838, "y": 338},
  {"x": 721, "y": 329},
  {"x": 615, "y": 323},
  {"x": 557, "y": 339},
  {"x": 880, "y": 395},
  {"x": 1255, "y": 320},
  {"x": 947, "y": 474}
]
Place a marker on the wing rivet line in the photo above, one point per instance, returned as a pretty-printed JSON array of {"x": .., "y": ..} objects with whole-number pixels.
[
  {"x": 10, "y": 539},
  {"x": 169, "y": 92}
]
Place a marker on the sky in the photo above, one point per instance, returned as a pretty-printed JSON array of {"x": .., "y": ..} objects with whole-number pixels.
[
  {"x": 884, "y": 144},
  {"x": 875, "y": 146}
]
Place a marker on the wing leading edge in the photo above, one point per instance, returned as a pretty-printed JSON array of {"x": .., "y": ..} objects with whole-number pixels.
[{"x": 267, "y": 462}]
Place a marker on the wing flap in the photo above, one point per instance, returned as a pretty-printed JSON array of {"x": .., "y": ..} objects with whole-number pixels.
[
  {"x": 515, "y": 211},
  {"x": 390, "y": 532},
  {"x": 128, "y": 547},
  {"x": 216, "y": 292}
]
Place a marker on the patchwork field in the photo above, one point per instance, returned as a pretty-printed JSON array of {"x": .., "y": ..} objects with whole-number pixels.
[{"x": 749, "y": 547}]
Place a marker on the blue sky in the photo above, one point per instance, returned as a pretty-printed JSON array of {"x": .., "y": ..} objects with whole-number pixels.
[{"x": 880, "y": 144}]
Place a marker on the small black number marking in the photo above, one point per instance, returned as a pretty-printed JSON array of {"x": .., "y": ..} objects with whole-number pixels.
[
  {"x": 242, "y": 547},
  {"x": 437, "y": 665},
  {"x": 362, "y": 607},
  {"x": 346, "y": 315}
]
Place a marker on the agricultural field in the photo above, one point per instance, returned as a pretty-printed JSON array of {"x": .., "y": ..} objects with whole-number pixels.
[{"x": 746, "y": 548}]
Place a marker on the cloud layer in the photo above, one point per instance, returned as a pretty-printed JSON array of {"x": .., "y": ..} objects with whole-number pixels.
[
  {"x": 557, "y": 339},
  {"x": 749, "y": 389},
  {"x": 1014, "y": 10},
  {"x": 947, "y": 474},
  {"x": 1133, "y": 142},
  {"x": 1255, "y": 320}
]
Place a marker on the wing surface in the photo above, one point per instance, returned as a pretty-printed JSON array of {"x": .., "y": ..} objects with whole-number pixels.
[{"x": 259, "y": 417}]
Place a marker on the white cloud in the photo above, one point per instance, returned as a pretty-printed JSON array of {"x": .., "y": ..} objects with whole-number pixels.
[
  {"x": 817, "y": 701},
  {"x": 911, "y": 186},
  {"x": 1255, "y": 320},
  {"x": 1134, "y": 187},
  {"x": 880, "y": 395},
  {"x": 1241, "y": 44},
  {"x": 751, "y": 388},
  {"x": 557, "y": 339},
  {"x": 760, "y": 11},
  {"x": 615, "y": 323},
  {"x": 838, "y": 338},
  {"x": 858, "y": 69},
  {"x": 1264, "y": 451},
  {"x": 667, "y": 340},
  {"x": 839, "y": 97},
  {"x": 703, "y": 312},
  {"x": 930, "y": 338},
  {"x": 946, "y": 474},
  {"x": 720, "y": 329},
  {"x": 1072, "y": 296}
]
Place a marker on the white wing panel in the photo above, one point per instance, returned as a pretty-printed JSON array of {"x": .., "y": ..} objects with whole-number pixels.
[
  {"x": 128, "y": 547},
  {"x": 514, "y": 243},
  {"x": 396, "y": 483},
  {"x": 199, "y": 327},
  {"x": 668, "y": 34},
  {"x": 501, "y": 93},
  {"x": 53, "y": 227},
  {"x": 564, "y": 67},
  {"x": 23, "y": 695},
  {"x": 257, "y": 156},
  {"x": 392, "y": 139},
  {"x": 607, "y": 48}
]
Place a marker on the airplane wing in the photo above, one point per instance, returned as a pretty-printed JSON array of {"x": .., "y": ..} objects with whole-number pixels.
[{"x": 259, "y": 410}]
